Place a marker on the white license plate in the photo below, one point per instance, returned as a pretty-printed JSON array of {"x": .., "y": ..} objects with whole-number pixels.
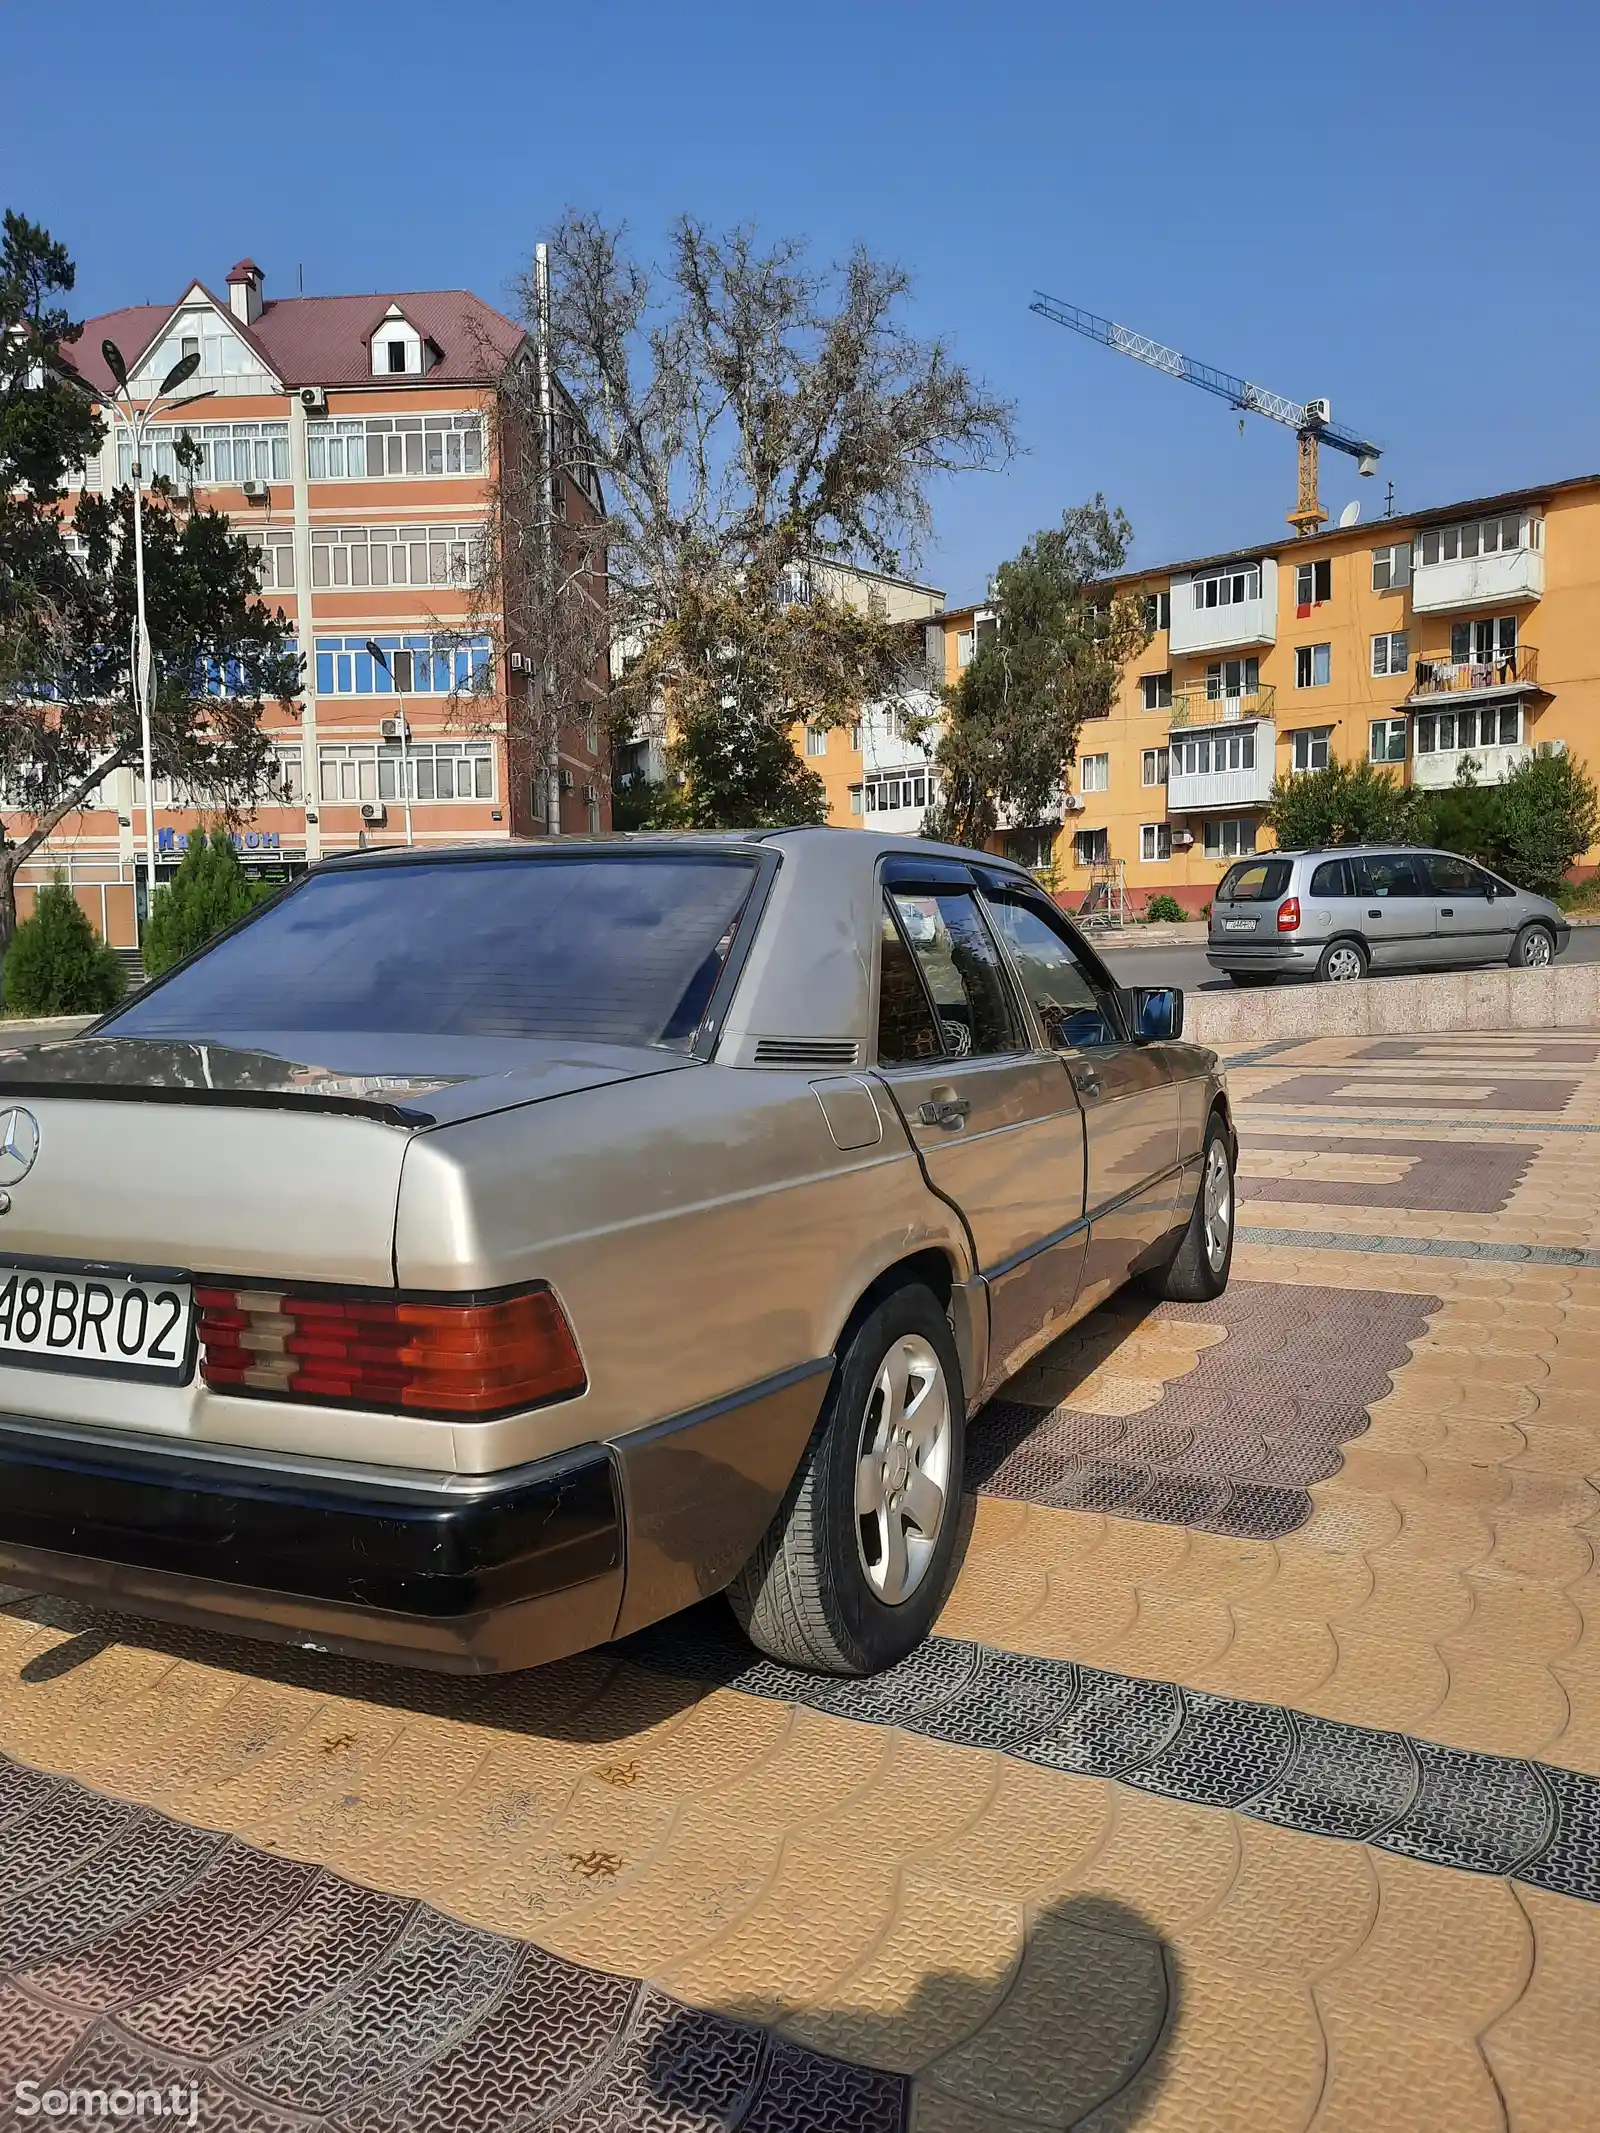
[
  {"x": 109, "y": 1324},
  {"x": 1238, "y": 925}
]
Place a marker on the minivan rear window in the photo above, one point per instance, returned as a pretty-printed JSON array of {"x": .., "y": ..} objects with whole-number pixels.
[
  {"x": 1254, "y": 881},
  {"x": 612, "y": 949}
]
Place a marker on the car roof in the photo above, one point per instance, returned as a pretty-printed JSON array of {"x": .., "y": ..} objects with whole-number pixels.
[{"x": 809, "y": 842}]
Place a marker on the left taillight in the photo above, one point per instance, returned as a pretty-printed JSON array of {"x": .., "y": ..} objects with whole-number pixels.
[{"x": 475, "y": 1358}]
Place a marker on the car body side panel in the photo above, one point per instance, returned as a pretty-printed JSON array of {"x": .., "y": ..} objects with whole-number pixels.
[{"x": 703, "y": 1232}]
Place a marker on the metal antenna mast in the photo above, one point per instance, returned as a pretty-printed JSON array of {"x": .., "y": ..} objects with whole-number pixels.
[{"x": 1311, "y": 420}]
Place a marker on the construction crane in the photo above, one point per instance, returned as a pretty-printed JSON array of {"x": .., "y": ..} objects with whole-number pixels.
[{"x": 1311, "y": 420}]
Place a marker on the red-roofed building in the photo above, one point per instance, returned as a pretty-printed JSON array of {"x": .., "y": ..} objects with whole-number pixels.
[{"x": 349, "y": 437}]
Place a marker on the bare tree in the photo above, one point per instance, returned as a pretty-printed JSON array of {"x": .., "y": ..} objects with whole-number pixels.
[{"x": 746, "y": 417}]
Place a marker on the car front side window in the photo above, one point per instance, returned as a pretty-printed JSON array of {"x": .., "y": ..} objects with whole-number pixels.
[
  {"x": 962, "y": 970},
  {"x": 1071, "y": 1007}
]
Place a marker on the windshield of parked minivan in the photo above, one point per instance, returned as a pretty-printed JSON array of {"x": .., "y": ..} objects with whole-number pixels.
[
  {"x": 613, "y": 949},
  {"x": 1254, "y": 881}
]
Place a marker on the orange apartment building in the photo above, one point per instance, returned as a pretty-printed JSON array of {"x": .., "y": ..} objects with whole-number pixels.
[
  {"x": 1415, "y": 641},
  {"x": 350, "y": 438}
]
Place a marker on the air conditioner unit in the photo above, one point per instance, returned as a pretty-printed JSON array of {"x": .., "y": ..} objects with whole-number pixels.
[
  {"x": 1319, "y": 412},
  {"x": 1183, "y": 837},
  {"x": 591, "y": 794},
  {"x": 1073, "y": 803},
  {"x": 394, "y": 729},
  {"x": 1549, "y": 747},
  {"x": 256, "y": 492},
  {"x": 374, "y": 811},
  {"x": 564, "y": 780},
  {"x": 314, "y": 399},
  {"x": 519, "y": 663}
]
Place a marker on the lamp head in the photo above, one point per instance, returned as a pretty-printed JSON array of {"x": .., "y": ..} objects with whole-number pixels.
[
  {"x": 114, "y": 363},
  {"x": 179, "y": 374},
  {"x": 380, "y": 655}
]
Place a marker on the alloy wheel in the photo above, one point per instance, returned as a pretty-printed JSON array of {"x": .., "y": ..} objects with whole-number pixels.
[
  {"x": 903, "y": 1470},
  {"x": 1343, "y": 965},
  {"x": 1536, "y": 949},
  {"x": 1217, "y": 1205}
]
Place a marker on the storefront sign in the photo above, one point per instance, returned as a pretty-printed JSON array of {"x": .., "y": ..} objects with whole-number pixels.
[{"x": 171, "y": 840}]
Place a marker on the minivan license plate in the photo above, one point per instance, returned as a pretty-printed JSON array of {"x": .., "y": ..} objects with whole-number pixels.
[
  {"x": 1238, "y": 925},
  {"x": 105, "y": 1323}
]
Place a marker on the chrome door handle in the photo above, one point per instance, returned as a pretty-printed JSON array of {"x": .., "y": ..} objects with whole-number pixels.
[
  {"x": 947, "y": 1111},
  {"x": 1087, "y": 1084}
]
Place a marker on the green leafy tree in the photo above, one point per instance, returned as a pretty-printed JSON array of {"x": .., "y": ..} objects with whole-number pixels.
[
  {"x": 753, "y": 420},
  {"x": 67, "y": 715},
  {"x": 57, "y": 964},
  {"x": 1346, "y": 803},
  {"x": 209, "y": 892},
  {"x": 1549, "y": 815},
  {"x": 1465, "y": 817},
  {"x": 1053, "y": 659}
]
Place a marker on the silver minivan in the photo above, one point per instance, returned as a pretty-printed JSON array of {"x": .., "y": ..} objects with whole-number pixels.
[{"x": 1340, "y": 914}]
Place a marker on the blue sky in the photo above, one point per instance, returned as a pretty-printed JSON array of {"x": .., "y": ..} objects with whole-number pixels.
[{"x": 1393, "y": 206}]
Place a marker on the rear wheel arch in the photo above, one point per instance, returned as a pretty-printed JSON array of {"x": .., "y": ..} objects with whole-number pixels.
[{"x": 930, "y": 1269}]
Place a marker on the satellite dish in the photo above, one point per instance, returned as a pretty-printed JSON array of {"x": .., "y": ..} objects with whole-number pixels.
[{"x": 1350, "y": 513}]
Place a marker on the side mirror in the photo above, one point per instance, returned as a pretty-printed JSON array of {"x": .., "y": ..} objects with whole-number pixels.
[{"x": 1155, "y": 1013}]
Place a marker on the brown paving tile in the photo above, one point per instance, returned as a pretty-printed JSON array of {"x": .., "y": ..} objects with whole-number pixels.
[{"x": 1457, "y": 1175}]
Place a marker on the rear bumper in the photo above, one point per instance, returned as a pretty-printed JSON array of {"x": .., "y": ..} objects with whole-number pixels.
[
  {"x": 468, "y": 1573},
  {"x": 1282, "y": 955}
]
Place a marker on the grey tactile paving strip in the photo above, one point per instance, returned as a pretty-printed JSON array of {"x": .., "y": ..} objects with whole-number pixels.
[
  {"x": 1340, "y": 1240},
  {"x": 1233, "y": 1445},
  {"x": 1261, "y": 1107},
  {"x": 1477, "y": 1179},
  {"x": 141, "y": 1953},
  {"x": 1482, "y": 1814},
  {"x": 1341, "y": 1087}
]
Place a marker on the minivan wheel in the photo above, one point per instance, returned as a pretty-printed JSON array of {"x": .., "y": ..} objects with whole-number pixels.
[
  {"x": 1534, "y": 948},
  {"x": 854, "y": 1568},
  {"x": 1341, "y": 962}
]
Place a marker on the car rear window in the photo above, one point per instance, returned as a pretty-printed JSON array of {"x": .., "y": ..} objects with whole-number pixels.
[
  {"x": 612, "y": 949},
  {"x": 1254, "y": 881}
]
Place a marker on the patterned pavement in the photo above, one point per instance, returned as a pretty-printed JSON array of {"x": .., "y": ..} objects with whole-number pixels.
[{"x": 1253, "y": 1780}]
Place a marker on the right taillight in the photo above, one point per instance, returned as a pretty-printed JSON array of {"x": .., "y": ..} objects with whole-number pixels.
[
  {"x": 1289, "y": 915},
  {"x": 468, "y": 1360}
]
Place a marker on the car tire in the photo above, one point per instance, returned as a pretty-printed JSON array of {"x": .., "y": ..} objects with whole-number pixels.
[
  {"x": 1534, "y": 947},
  {"x": 1254, "y": 977},
  {"x": 819, "y": 1592},
  {"x": 1341, "y": 962},
  {"x": 1199, "y": 1268}
]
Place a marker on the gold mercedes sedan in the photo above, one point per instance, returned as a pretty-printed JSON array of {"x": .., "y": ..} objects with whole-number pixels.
[{"x": 475, "y": 1254}]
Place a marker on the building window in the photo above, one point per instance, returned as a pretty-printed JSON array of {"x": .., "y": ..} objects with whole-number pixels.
[
  {"x": 1313, "y": 583},
  {"x": 966, "y": 645},
  {"x": 1488, "y": 536},
  {"x": 1492, "y": 642},
  {"x": 230, "y": 453},
  {"x": 1312, "y": 666},
  {"x": 1094, "y": 773},
  {"x": 1204, "y": 755},
  {"x": 1484, "y": 726},
  {"x": 1228, "y": 588},
  {"x": 1391, "y": 567},
  {"x": 1232, "y": 838},
  {"x": 1391, "y": 654},
  {"x": 291, "y": 775},
  {"x": 816, "y": 740},
  {"x": 274, "y": 559},
  {"x": 1158, "y": 611},
  {"x": 1156, "y": 691},
  {"x": 354, "y": 771},
  {"x": 397, "y": 555},
  {"x": 1031, "y": 848},
  {"x": 1386, "y": 740},
  {"x": 1153, "y": 767},
  {"x": 1232, "y": 677},
  {"x": 888, "y": 794},
  {"x": 440, "y": 666},
  {"x": 858, "y": 800},
  {"x": 1091, "y": 848},
  {"x": 386, "y": 447},
  {"x": 1310, "y": 747},
  {"x": 1155, "y": 840},
  {"x": 855, "y": 736}
]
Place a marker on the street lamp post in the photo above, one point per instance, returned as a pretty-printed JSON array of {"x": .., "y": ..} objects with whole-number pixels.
[
  {"x": 382, "y": 659},
  {"x": 136, "y": 421}
]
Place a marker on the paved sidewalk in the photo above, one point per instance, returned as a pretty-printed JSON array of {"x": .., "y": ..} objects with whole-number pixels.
[{"x": 1253, "y": 1781}]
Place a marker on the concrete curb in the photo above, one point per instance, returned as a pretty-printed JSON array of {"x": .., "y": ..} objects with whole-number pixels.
[{"x": 1380, "y": 1007}]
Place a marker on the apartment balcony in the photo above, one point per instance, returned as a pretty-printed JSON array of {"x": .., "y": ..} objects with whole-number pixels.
[
  {"x": 1505, "y": 674},
  {"x": 1231, "y": 624},
  {"x": 1504, "y": 578},
  {"x": 1194, "y": 707},
  {"x": 1236, "y": 772},
  {"x": 1440, "y": 767}
]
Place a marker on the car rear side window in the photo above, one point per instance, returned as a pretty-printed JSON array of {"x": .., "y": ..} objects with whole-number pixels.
[
  {"x": 611, "y": 949},
  {"x": 1332, "y": 878},
  {"x": 907, "y": 1028},
  {"x": 1254, "y": 881},
  {"x": 962, "y": 969}
]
